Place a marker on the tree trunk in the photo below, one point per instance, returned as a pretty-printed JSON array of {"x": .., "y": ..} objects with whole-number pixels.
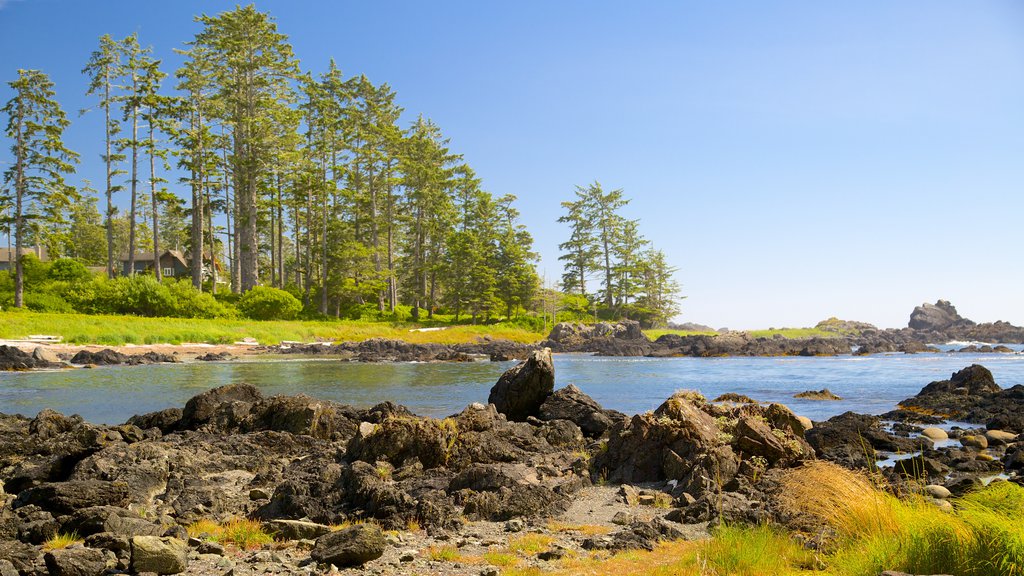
[
  {"x": 135, "y": 182},
  {"x": 323, "y": 244},
  {"x": 280, "y": 238},
  {"x": 212, "y": 237},
  {"x": 196, "y": 265},
  {"x": 19, "y": 223},
  {"x": 156, "y": 209},
  {"x": 110, "y": 177}
]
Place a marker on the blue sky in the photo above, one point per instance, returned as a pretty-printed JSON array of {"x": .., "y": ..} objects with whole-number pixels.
[{"x": 795, "y": 160}]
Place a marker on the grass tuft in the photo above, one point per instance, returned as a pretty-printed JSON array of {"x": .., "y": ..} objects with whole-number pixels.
[
  {"x": 244, "y": 533},
  {"x": 447, "y": 553},
  {"x": 530, "y": 544},
  {"x": 61, "y": 540}
]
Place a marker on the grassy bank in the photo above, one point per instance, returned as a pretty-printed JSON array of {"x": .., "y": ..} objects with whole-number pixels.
[{"x": 119, "y": 330}]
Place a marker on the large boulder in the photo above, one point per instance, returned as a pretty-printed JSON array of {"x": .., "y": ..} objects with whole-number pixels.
[
  {"x": 352, "y": 546},
  {"x": 936, "y": 317},
  {"x": 679, "y": 441},
  {"x": 971, "y": 381},
  {"x": 12, "y": 358},
  {"x": 521, "y": 390},
  {"x": 159, "y": 555},
  {"x": 76, "y": 562},
  {"x": 852, "y": 440},
  {"x": 67, "y": 497},
  {"x": 223, "y": 406},
  {"x": 570, "y": 403}
]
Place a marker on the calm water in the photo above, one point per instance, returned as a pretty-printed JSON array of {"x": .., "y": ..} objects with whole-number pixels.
[{"x": 871, "y": 384}]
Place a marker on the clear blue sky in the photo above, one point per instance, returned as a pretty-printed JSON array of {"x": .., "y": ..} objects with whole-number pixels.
[{"x": 796, "y": 160}]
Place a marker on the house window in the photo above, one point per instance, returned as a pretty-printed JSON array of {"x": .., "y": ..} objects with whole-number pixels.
[{"x": 168, "y": 271}]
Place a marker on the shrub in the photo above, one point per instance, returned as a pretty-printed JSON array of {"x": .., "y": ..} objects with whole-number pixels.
[
  {"x": 190, "y": 303},
  {"x": 36, "y": 271},
  {"x": 68, "y": 270},
  {"x": 138, "y": 295},
  {"x": 38, "y": 302},
  {"x": 266, "y": 303}
]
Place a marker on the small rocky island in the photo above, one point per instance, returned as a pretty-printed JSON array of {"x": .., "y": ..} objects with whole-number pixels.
[{"x": 385, "y": 489}]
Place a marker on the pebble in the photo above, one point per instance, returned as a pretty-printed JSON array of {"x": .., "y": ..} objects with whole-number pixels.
[
  {"x": 937, "y": 491},
  {"x": 934, "y": 433}
]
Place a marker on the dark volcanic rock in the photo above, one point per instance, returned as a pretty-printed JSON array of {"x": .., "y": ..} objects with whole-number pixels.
[
  {"x": 76, "y": 562},
  {"x": 570, "y": 403},
  {"x": 823, "y": 394},
  {"x": 352, "y": 546},
  {"x": 12, "y": 358},
  {"x": 971, "y": 395},
  {"x": 108, "y": 357},
  {"x": 939, "y": 316},
  {"x": 67, "y": 497},
  {"x": 521, "y": 390},
  {"x": 851, "y": 440},
  {"x": 624, "y": 338}
]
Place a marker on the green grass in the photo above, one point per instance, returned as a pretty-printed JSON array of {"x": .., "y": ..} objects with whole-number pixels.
[
  {"x": 751, "y": 551},
  {"x": 244, "y": 533},
  {"x": 119, "y": 330},
  {"x": 446, "y": 553},
  {"x": 61, "y": 540}
]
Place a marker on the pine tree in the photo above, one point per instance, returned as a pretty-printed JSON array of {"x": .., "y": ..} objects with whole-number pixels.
[
  {"x": 195, "y": 140},
  {"x": 516, "y": 279},
  {"x": 157, "y": 111},
  {"x": 86, "y": 240},
  {"x": 104, "y": 68},
  {"x": 136, "y": 61},
  {"x": 252, "y": 66},
  {"x": 35, "y": 126},
  {"x": 580, "y": 251},
  {"x": 660, "y": 290}
]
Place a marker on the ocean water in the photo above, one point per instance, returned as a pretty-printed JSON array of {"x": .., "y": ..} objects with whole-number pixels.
[{"x": 868, "y": 384}]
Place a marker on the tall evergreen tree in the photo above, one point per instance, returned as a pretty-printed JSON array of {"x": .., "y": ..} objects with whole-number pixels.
[
  {"x": 136, "y": 61},
  {"x": 104, "y": 70},
  {"x": 252, "y": 65},
  {"x": 35, "y": 127}
]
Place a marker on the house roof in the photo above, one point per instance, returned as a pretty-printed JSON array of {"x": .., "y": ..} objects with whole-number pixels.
[
  {"x": 148, "y": 257},
  {"x": 6, "y": 253}
]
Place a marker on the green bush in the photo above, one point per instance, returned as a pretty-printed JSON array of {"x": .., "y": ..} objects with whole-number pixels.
[
  {"x": 38, "y": 302},
  {"x": 68, "y": 270},
  {"x": 36, "y": 271},
  {"x": 187, "y": 302},
  {"x": 266, "y": 303},
  {"x": 138, "y": 295}
]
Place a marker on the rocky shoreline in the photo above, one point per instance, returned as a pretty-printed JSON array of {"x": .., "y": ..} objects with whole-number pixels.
[
  {"x": 389, "y": 491},
  {"x": 929, "y": 324}
]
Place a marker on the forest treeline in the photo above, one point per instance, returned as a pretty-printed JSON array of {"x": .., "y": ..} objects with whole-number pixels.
[{"x": 307, "y": 183}]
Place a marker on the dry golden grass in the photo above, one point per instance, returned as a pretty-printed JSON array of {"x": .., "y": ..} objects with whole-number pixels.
[
  {"x": 530, "y": 544},
  {"x": 61, "y": 540},
  {"x": 668, "y": 558},
  {"x": 242, "y": 532},
  {"x": 845, "y": 500},
  {"x": 585, "y": 529},
  {"x": 447, "y": 553}
]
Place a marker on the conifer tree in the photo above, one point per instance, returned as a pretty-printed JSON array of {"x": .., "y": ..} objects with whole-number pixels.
[
  {"x": 35, "y": 127},
  {"x": 104, "y": 69}
]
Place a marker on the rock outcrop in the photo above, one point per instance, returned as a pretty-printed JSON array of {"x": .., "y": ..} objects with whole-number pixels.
[
  {"x": 521, "y": 390},
  {"x": 970, "y": 395}
]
